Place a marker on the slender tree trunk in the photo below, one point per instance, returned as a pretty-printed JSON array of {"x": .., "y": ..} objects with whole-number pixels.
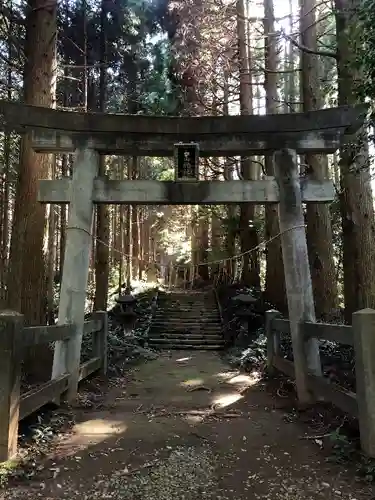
[
  {"x": 290, "y": 104},
  {"x": 129, "y": 237},
  {"x": 65, "y": 171},
  {"x": 121, "y": 241},
  {"x": 135, "y": 224},
  {"x": 4, "y": 241},
  {"x": 248, "y": 232},
  {"x": 5, "y": 219},
  {"x": 102, "y": 215},
  {"x": 215, "y": 238},
  {"x": 63, "y": 218},
  {"x": 26, "y": 278},
  {"x": 51, "y": 257},
  {"x": 26, "y": 290},
  {"x": 230, "y": 238},
  {"x": 146, "y": 241},
  {"x": 319, "y": 230},
  {"x": 356, "y": 201},
  {"x": 194, "y": 239},
  {"x": 275, "y": 280},
  {"x": 203, "y": 243}
]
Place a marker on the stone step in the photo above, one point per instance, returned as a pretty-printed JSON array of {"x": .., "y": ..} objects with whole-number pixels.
[
  {"x": 188, "y": 314},
  {"x": 166, "y": 322},
  {"x": 187, "y": 338},
  {"x": 164, "y": 318},
  {"x": 184, "y": 291},
  {"x": 188, "y": 307},
  {"x": 188, "y": 322},
  {"x": 187, "y": 347},
  {"x": 183, "y": 327},
  {"x": 186, "y": 331},
  {"x": 179, "y": 307},
  {"x": 183, "y": 334},
  {"x": 188, "y": 294},
  {"x": 177, "y": 338},
  {"x": 181, "y": 315},
  {"x": 183, "y": 342},
  {"x": 187, "y": 301}
]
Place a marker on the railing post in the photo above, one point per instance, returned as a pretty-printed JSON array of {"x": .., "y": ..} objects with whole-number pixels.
[
  {"x": 272, "y": 341},
  {"x": 364, "y": 345},
  {"x": 11, "y": 327},
  {"x": 100, "y": 339}
]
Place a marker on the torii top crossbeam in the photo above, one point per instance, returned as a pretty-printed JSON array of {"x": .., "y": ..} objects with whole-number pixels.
[{"x": 139, "y": 135}]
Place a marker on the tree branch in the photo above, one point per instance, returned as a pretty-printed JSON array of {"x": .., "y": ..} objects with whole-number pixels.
[{"x": 307, "y": 50}]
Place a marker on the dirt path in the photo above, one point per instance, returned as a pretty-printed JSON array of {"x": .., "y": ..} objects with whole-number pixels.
[{"x": 186, "y": 427}]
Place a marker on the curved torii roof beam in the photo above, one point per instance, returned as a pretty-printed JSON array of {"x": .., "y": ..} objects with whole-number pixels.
[{"x": 56, "y": 130}]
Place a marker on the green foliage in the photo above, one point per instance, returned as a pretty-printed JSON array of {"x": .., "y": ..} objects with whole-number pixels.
[
  {"x": 137, "y": 56},
  {"x": 363, "y": 42},
  {"x": 367, "y": 469},
  {"x": 161, "y": 169},
  {"x": 327, "y": 65},
  {"x": 159, "y": 94},
  {"x": 342, "y": 449}
]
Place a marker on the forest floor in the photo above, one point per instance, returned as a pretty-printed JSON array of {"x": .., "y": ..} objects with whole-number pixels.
[{"x": 186, "y": 427}]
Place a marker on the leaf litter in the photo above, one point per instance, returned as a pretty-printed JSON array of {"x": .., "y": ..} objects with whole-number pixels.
[{"x": 254, "y": 455}]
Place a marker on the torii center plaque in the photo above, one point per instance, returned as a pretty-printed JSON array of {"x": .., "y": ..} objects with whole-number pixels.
[{"x": 186, "y": 161}]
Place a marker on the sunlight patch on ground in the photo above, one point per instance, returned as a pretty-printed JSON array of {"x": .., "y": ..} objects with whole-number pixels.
[
  {"x": 224, "y": 400},
  {"x": 240, "y": 380},
  {"x": 100, "y": 427},
  {"x": 193, "y": 382},
  {"x": 227, "y": 375},
  {"x": 87, "y": 434},
  {"x": 244, "y": 381}
]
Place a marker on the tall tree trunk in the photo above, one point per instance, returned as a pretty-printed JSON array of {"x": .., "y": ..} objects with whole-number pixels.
[
  {"x": 203, "y": 243},
  {"x": 4, "y": 242},
  {"x": 135, "y": 224},
  {"x": 291, "y": 103},
  {"x": 51, "y": 256},
  {"x": 215, "y": 238},
  {"x": 194, "y": 233},
  {"x": 356, "y": 202},
  {"x": 146, "y": 230},
  {"x": 275, "y": 280},
  {"x": 63, "y": 218},
  {"x": 65, "y": 171},
  {"x": 248, "y": 232},
  {"x": 102, "y": 215},
  {"x": 26, "y": 278},
  {"x": 129, "y": 237},
  {"x": 5, "y": 209},
  {"x": 319, "y": 230},
  {"x": 119, "y": 257},
  {"x": 26, "y": 274},
  {"x": 230, "y": 237}
]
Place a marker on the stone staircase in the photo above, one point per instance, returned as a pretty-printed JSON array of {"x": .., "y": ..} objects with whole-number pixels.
[{"x": 186, "y": 320}]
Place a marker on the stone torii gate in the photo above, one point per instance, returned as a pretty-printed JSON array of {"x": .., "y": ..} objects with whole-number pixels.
[{"x": 88, "y": 135}]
